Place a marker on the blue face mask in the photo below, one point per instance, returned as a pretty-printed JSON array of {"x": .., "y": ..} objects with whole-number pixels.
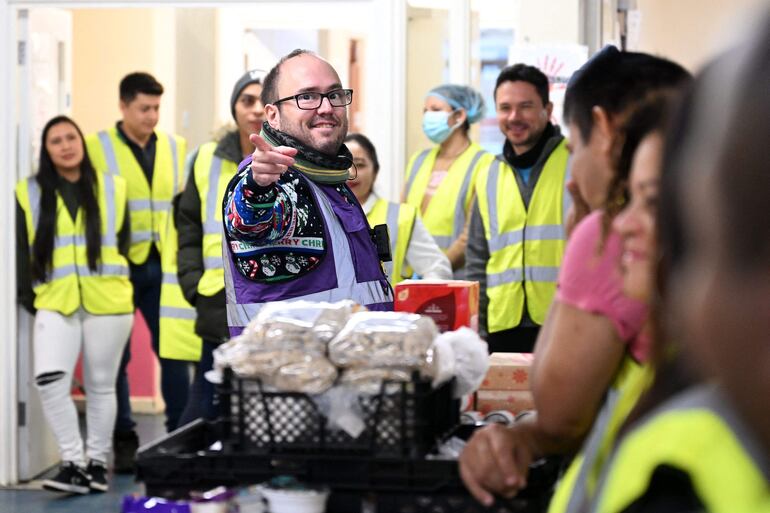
[{"x": 435, "y": 125}]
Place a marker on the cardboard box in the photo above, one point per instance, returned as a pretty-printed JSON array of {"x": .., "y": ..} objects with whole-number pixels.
[
  {"x": 508, "y": 371},
  {"x": 451, "y": 303},
  {"x": 513, "y": 401}
]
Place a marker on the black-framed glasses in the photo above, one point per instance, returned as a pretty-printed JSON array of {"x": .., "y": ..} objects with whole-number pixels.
[{"x": 312, "y": 100}]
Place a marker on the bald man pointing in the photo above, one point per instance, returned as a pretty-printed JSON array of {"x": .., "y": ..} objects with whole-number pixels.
[{"x": 293, "y": 228}]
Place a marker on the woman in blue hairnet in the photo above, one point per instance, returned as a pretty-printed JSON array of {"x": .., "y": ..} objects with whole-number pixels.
[{"x": 439, "y": 181}]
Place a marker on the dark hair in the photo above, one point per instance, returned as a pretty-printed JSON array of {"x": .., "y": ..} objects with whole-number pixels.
[
  {"x": 368, "y": 147},
  {"x": 524, "y": 73},
  {"x": 270, "y": 82},
  {"x": 652, "y": 116},
  {"x": 45, "y": 231},
  {"x": 139, "y": 82},
  {"x": 617, "y": 81}
]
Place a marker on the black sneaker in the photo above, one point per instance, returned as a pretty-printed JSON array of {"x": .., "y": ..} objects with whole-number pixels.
[
  {"x": 70, "y": 479},
  {"x": 98, "y": 472},
  {"x": 124, "y": 446}
]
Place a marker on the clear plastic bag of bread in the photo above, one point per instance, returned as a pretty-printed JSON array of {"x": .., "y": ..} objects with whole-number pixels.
[
  {"x": 305, "y": 326},
  {"x": 287, "y": 371},
  {"x": 311, "y": 375},
  {"x": 384, "y": 339},
  {"x": 369, "y": 381}
]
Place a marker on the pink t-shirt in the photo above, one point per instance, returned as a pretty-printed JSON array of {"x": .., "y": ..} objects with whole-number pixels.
[{"x": 590, "y": 280}]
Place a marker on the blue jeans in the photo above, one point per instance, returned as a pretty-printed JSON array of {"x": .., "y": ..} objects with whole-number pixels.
[
  {"x": 174, "y": 376},
  {"x": 200, "y": 403}
]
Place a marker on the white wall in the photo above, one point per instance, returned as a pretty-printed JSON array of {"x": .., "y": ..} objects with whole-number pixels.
[
  {"x": 195, "y": 82},
  {"x": 428, "y": 31},
  {"x": 547, "y": 21},
  {"x": 693, "y": 31},
  {"x": 8, "y": 432}
]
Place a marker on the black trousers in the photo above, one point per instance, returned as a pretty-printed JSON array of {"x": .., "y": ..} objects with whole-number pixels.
[{"x": 514, "y": 340}]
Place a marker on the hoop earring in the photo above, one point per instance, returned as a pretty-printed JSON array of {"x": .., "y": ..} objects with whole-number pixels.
[{"x": 356, "y": 169}]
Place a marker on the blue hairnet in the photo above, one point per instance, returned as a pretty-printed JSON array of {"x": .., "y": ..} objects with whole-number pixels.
[{"x": 461, "y": 97}]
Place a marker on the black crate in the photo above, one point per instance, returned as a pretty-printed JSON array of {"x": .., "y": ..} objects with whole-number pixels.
[
  {"x": 403, "y": 419},
  {"x": 183, "y": 461},
  {"x": 452, "y": 502}
]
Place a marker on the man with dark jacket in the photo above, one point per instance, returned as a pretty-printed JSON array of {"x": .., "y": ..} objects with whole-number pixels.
[
  {"x": 516, "y": 235},
  {"x": 199, "y": 224}
]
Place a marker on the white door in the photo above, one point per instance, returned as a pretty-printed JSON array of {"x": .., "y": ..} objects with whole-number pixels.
[{"x": 45, "y": 42}]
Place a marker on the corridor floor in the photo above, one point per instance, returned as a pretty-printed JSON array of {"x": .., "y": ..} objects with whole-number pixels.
[{"x": 37, "y": 500}]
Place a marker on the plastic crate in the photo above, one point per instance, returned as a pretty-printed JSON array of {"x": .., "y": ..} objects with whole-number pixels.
[
  {"x": 403, "y": 419},
  {"x": 182, "y": 461},
  {"x": 456, "y": 502}
]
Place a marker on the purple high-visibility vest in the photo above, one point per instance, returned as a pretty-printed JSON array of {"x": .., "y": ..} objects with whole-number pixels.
[{"x": 351, "y": 268}]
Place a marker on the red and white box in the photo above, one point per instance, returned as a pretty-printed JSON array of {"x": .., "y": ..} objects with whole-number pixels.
[
  {"x": 508, "y": 371},
  {"x": 450, "y": 303},
  {"x": 514, "y": 401}
]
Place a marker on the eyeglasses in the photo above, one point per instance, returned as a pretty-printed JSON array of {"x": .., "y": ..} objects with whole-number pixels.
[{"x": 312, "y": 100}]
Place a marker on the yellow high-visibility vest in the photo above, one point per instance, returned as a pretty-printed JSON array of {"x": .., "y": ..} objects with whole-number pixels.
[
  {"x": 212, "y": 174},
  {"x": 578, "y": 485},
  {"x": 149, "y": 205},
  {"x": 71, "y": 284},
  {"x": 525, "y": 245},
  {"x": 696, "y": 433},
  {"x": 178, "y": 340},
  {"x": 449, "y": 207},
  {"x": 400, "y": 220}
]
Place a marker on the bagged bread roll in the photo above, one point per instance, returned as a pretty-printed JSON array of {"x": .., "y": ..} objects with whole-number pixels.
[
  {"x": 309, "y": 376},
  {"x": 384, "y": 339},
  {"x": 235, "y": 349},
  {"x": 300, "y": 325},
  {"x": 369, "y": 381},
  {"x": 264, "y": 364}
]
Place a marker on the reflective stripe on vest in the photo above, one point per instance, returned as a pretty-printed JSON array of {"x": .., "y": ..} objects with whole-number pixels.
[
  {"x": 364, "y": 293},
  {"x": 71, "y": 283},
  {"x": 109, "y": 153},
  {"x": 391, "y": 220},
  {"x": 147, "y": 213},
  {"x": 525, "y": 244},
  {"x": 400, "y": 220},
  {"x": 112, "y": 161},
  {"x": 83, "y": 270},
  {"x": 566, "y": 198},
  {"x": 444, "y": 224},
  {"x": 177, "y": 339},
  {"x": 528, "y": 274},
  {"x": 578, "y": 485},
  {"x": 414, "y": 170},
  {"x": 213, "y": 201},
  {"x": 459, "y": 220},
  {"x": 175, "y": 167},
  {"x": 212, "y": 174},
  {"x": 172, "y": 312},
  {"x": 108, "y": 239},
  {"x": 697, "y": 433}
]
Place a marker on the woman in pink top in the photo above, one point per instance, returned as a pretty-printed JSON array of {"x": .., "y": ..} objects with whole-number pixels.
[{"x": 590, "y": 281}]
